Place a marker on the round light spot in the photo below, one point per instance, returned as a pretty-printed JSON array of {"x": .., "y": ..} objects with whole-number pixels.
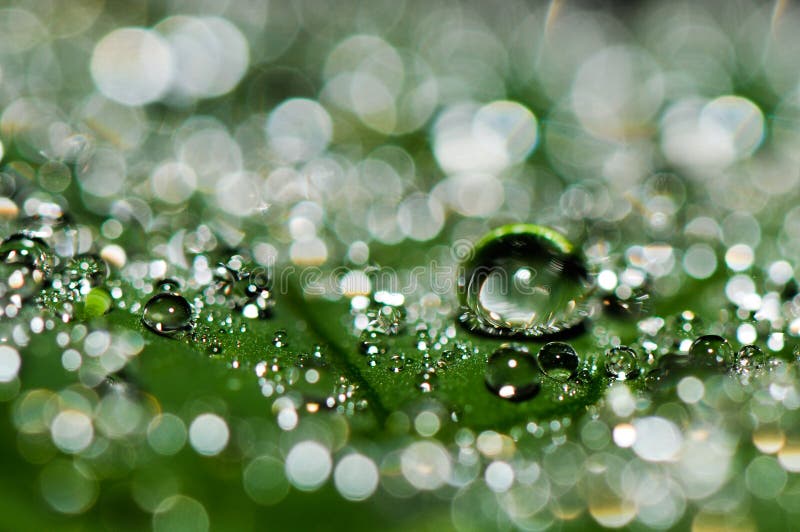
[
  {"x": 420, "y": 217},
  {"x": 10, "y": 363},
  {"x": 166, "y": 434},
  {"x": 607, "y": 280},
  {"x": 499, "y": 476},
  {"x": 700, "y": 261},
  {"x": 72, "y": 431},
  {"x": 208, "y": 434},
  {"x": 356, "y": 477},
  {"x": 425, "y": 465},
  {"x": 624, "y": 435},
  {"x": 691, "y": 390},
  {"x": 132, "y": 66},
  {"x": 736, "y": 121},
  {"x": 765, "y": 478},
  {"x": 427, "y": 423},
  {"x": 739, "y": 257},
  {"x": 173, "y": 182},
  {"x": 657, "y": 439},
  {"x": 180, "y": 512},
  {"x": 299, "y": 129},
  {"x": 264, "y": 480},
  {"x": 67, "y": 488},
  {"x": 308, "y": 465}
]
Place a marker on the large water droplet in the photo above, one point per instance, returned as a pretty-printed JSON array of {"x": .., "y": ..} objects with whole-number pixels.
[
  {"x": 711, "y": 351},
  {"x": 524, "y": 280},
  {"x": 27, "y": 262},
  {"x": 167, "y": 314},
  {"x": 558, "y": 360},
  {"x": 621, "y": 363},
  {"x": 513, "y": 374}
]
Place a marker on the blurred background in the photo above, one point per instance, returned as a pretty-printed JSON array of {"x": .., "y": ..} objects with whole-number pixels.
[{"x": 316, "y": 130}]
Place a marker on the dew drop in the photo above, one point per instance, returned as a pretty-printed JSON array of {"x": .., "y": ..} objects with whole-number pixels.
[
  {"x": 168, "y": 285},
  {"x": 621, "y": 363},
  {"x": 27, "y": 262},
  {"x": 280, "y": 339},
  {"x": 513, "y": 374},
  {"x": 426, "y": 381},
  {"x": 524, "y": 280},
  {"x": 89, "y": 267},
  {"x": 711, "y": 351},
  {"x": 372, "y": 343},
  {"x": 167, "y": 314},
  {"x": 558, "y": 360},
  {"x": 385, "y": 319},
  {"x": 397, "y": 363},
  {"x": 246, "y": 287},
  {"x": 751, "y": 357}
]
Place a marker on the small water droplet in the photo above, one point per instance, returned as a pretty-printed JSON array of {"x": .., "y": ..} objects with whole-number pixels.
[
  {"x": 372, "y": 343},
  {"x": 168, "y": 285},
  {"x": 423, "y": 341},
  {"x": 426, "y": 381},
  {"x": 558, "y": 360},
  {"x": 710, "y": 351},
  {"x": 513, "y": 374},
  {"x": 246, "y": 287},
  {"x": 397, "y": 363},
  {"x": 621, "y": 363},
  {"x": 751, "y": 357},
  {"x": 280, "y": 339},
  {"x": 167, "y": 314},
  {"x": 524, "y": 280},
  {"x": 89, "y": 267},
  {"x": 385, "y": 319}
]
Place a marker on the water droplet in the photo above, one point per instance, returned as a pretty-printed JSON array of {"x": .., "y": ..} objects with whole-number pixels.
[
  {"x": 168, "y": 285},
  {"x": 513, "y": 374},
  {"x": 89, "y": 267},
  {"x": 423, "y": 341},
  {"x": 751, "y": 357},
  {"x": 524, "y": 280},
  {"x": 621, "y": 363},
  {"x": 426, "y": 381},
  {"x": 558, "y": 360},
  {"x": 372, "y": 343},
  {"x": 167, "y": 314},
  {"x": 385, "y": 319},
  {"x": 397, "y": 363},
  {"x": 246, "y": 287},
  {"x": 711, "y": 351},
  {"x": 280, "y": 339},
  {"x": 27, "y": 262}
]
